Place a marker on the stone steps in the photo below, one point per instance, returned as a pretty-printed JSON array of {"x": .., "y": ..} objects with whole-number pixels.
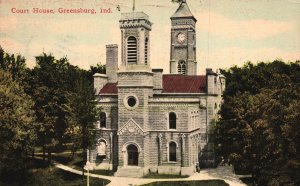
[{"x": 132, "y": 172}]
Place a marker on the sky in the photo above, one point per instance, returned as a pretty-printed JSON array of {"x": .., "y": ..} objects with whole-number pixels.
[{"x": 229, "y": 32}]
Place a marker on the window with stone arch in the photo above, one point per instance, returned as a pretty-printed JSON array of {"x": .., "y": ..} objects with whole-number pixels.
[
  {"x": 172, "y": 120},
  {"x": 102, "y": 120},
  {"x": 181, "y": 67},
  {"x": 172, "y": 151},
  {"x": 146, "y": 51},
  {"x": 131, "y": 50}
]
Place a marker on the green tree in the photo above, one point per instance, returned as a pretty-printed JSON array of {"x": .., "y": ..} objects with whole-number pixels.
[
  {"x": 99, "y": 68},
  {"x": 49, "y": 87},
  {"x": 86, "y": 112},
  {"x": 258, "y": 130},
  {"x": 14, "y": 64},
  {"x": 16, "y": 124},
  {"x": 64, "y": 103}
]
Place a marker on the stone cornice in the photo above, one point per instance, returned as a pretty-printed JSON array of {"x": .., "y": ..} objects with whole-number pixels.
[
  {"x": 174, "y": 100},
  {"x": 134, "y": 86},
  {"x": 109, "y": 104}
]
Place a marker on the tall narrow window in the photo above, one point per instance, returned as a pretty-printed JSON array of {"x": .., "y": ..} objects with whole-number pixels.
[
  {"x": 146, "y": 51},
  {"x": 181, "y": 67},
  {"x": 101, "y": 148},
  {"x": 131, "y": 50},
  {"x": 172, "y": 120},
  {"x": 102, "y": 120},
  {"x": 172, "y": 151}
]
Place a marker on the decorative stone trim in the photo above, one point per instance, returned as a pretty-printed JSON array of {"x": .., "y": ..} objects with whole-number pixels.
[
  {"x": 102, "y": 139},
  {"x": 109, "y": 105},
  {"x": 124, "y": 147},
  {"x": 167, "y": 145},
  {"x": 124, "y": 151},
  {"x": 174, "y": 100},
  {"x": 132, "y": 127},
  {"x": 125, "y": 101},
  {"x": 169, "y": 105}
]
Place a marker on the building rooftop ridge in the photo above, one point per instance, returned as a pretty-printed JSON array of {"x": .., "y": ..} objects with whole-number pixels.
[{"x": 134, "y": 15}]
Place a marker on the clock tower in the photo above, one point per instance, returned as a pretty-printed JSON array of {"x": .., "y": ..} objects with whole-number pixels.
[{"x": 183, "y": 41}]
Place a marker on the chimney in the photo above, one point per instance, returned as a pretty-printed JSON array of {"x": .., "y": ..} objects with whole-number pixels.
[
  {"x": 99, "y": 81},
  {"x": 222, "y": 82},
  {"x": 112, "y": 62},
  {"x": 157, "y": 80},
  {"x": 211, "y": 81}
]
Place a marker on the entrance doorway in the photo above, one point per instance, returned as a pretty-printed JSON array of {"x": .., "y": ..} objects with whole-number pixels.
[{"x": 133, "y": 155}]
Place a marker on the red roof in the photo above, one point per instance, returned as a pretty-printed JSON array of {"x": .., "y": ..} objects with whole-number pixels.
[
  {"x": 184, "y": 84},
  {"x": 171, "y": 84},
  {"x": 109, "y": 88}
]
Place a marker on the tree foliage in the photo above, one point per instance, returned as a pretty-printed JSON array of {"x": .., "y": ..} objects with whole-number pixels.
[
  {"x": 16, "y": 124},
  {"x": 14, "y": 64},
  {"x": 53, "y": 101},
  {"x": 86, "y": 113},
  {"x": 259, "y": 127},
  {"x": 47, "y": 85},
  {"x": 99, "y": 68},
  {"x": 63, "y": 103}
]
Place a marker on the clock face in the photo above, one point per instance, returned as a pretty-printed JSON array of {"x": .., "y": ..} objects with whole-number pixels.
[{"x": 180, "y": 37}]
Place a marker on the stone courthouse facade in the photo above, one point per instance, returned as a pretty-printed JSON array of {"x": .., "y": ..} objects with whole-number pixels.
[{"x": 150, "y": 121}]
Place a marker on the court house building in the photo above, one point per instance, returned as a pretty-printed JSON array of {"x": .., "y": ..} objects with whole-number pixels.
[{"x": 151, "y": 121}]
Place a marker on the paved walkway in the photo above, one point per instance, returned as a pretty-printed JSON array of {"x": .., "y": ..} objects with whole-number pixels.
[{"x": 223, "y": 173}]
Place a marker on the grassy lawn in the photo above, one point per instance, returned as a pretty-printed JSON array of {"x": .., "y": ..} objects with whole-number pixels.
[
  {"x": 65, "y": 158},
  {"x": 247, "y": 180},
  {"x": 38, "y": 175},
  {"x": 76, "y": 163},
  {"x": 189, "y": 183}
]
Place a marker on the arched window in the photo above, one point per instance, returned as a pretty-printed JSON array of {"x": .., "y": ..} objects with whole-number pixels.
[
  {"x": 131, "y": 50},
  {"x": 146, "y": 51},
  {"x": 172, "y": 151},
  {"x": 102, "y": 120},
  {"x": 101, "y": 149},
  {"x": 181, "y": 67},
  {"x": 172, "y": 120}
]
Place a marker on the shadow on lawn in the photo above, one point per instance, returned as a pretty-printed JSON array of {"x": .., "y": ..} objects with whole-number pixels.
[{"x": 38, "y": 174}]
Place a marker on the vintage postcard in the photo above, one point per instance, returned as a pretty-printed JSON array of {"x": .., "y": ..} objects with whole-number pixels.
[{"x": 185, "y": 91}]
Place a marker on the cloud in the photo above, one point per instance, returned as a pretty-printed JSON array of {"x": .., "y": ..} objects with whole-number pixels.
[
  {"x": 226, "y": 57},
  {"x": 254, "y": 29},
  {"x": 86, "y": 55},
  {"x": 83, "y": 38},
  {"x": 10, "y": 45},
  {"x": 8, "y": 24}
]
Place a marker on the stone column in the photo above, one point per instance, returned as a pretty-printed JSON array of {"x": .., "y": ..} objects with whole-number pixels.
[
  {"x": 111, "y": 148},
  {"x": 159, "y": 148},
  {"x": 182, "y": 149}
]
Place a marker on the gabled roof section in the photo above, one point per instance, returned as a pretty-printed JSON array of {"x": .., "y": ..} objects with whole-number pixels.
[
  {"x": 109, "y": 88},
  {"x": 172, "y": 83},
  {"x": 184, "y": 84},
  {"x": 183, "y": 11}
]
